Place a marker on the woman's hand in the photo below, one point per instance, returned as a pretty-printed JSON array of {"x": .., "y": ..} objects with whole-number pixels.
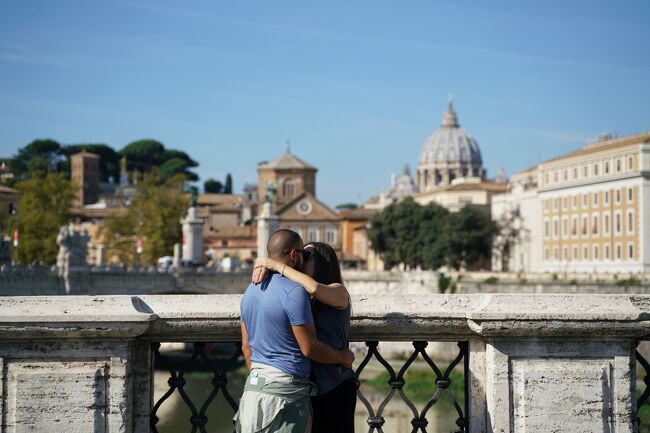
[
  {"x": 259, "y": 273},
  {"x": 262, "y": 268}
]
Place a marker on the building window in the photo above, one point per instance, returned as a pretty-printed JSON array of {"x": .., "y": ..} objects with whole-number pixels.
[
  {"x": 565, "y": 203},
  {"x": 574, "y": 226},
  {"x": 555, "y": 176},
  {"x": 630, "y": 251},
  {"x": 595, "y": 199},
  {"x": 606, "y": 167},
  {"x": 555, "y": 253},
  {"x": 565, "y": 253},
  {"x": 585, "y": 253},
  {"x": 630, "y": 195},
  {"x": 630, "y": 163},
  {"x": 314, "y": 235},
  {"x": 618, "y": 252},
  {"x": 606, "y": 224},
  {"x": 565, "y": 175},
  {"x": 330, "y": 236},
  {"x": 575, "y": 173},
  {"x": 596, "y": 252},
  {"x": 575, "y": 201},
  {"x": 585, "y": 171},
  {"x": 606, "y": 197},
  {"x": 594, "y": 229},
  {"x": 555, "y": 228},
  {"x": 546, "y": 228},
  {"x": 595, "y": 169},
  {"x": 288, "y": 189},
  {"x": 575, "y": 253},
  {"x": 618, "y": 196},
  {"x": 618, "y": 166},
  {"x": 630, "y": 221},
  {"x": 565, "y": 227},
  {"x": 584, "y": 226},
  {"x": 606, "y": 252},
  {"x": 617, "y": 224},
  {"x": 585, "y": 200}
]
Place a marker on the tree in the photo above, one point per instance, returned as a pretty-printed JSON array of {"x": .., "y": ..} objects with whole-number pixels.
[
  {"x": 394, "y": 232},
  {"x": 468, "y": 238},
  {"x": 430, "y": 237},
  {"x": 43, "y": 209},
  {"x": 146, "y": 155},
  {"x": 109, "y": 159},
  {"x": 347, "y": 205},
  {"x": 212, "y": 186},
  {"x": 154, "y": 217},
  {"x": 41, "y": 155},
  {"x": 227, "y": 189}
]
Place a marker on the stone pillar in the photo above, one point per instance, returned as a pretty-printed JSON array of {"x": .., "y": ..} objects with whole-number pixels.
[
  {"x": 555, "y": 363},
  {"x": 69, "y": 365},
  {"x": 177, "y": 256},
  {"x": 99, "y": 257},
  {"x": 267, "y": 223},
  {"x": 192, "y": 238}
]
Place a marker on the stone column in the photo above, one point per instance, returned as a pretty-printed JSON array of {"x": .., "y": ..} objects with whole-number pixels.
[
  {"x": 192, "y": 238},
  {"x": 267, "y": 223},
  {"x": 556, "y": 363},
  {"x": 69, "y": 364}
]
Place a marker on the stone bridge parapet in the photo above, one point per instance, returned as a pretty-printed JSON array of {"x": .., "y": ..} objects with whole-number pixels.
[{"x": 536, "y": 362}]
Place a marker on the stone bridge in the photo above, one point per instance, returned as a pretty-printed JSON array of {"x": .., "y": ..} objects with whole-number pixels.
[{"x": 530, "y": 363}]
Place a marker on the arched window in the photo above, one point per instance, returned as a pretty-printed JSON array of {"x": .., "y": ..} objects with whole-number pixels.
[{"x": 288, "y": 188}]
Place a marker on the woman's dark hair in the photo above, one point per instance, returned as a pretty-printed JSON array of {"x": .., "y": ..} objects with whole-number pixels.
[{"x": 327, "y": 269}]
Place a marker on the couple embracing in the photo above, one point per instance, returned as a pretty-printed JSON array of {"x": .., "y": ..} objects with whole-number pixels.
[{"x": 295, "y": 318}]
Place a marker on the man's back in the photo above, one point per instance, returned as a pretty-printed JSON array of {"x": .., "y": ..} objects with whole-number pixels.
[{"x": 269, "y": 310}]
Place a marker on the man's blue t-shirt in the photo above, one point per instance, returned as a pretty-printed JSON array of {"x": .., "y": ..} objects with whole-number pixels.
[{"x": 269, "y": 310}]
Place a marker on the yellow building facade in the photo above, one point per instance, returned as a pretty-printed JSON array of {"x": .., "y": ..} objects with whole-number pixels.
[{"x": 595, "y": 205}]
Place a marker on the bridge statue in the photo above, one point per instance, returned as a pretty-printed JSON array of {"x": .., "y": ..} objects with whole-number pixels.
[{"x": 73, "y": 248}]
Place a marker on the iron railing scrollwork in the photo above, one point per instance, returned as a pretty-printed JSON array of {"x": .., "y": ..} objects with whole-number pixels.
[
  {"x": 397, "y": 382},
  {"x": 643, "y": 398},
  {"x": 176, "y": 381},
  {"x": 440, "y": 388}
]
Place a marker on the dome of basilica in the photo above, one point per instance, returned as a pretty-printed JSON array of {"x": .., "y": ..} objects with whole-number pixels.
[{"x": 448, "y": 154}]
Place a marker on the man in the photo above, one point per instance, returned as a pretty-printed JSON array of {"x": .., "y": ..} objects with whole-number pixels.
[{"x": 278, "y": 341}]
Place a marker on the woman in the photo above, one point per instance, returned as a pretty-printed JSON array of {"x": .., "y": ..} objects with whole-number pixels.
[{"x": 333, "y": 407}]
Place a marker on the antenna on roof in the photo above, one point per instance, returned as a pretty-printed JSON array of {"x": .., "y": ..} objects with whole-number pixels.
[{"x": 287, "y": 148}]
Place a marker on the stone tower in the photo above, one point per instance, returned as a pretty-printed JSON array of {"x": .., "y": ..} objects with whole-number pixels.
[{"x": 84, "y": 172}]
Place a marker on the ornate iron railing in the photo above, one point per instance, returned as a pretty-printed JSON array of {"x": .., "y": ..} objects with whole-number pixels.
[
  {"x": 219, "y": 369},
  {"x": 643, "y": 398}
]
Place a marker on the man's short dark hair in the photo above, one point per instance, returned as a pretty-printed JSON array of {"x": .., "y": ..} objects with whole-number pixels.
[{"x": 282, "y": 242}]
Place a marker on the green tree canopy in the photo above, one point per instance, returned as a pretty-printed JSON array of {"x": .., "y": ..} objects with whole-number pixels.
[
  {"x": 347, "y": 205},
  {"x": 41, "y": 155},
  {"x": 430, "y": 236},
  {"x": 227, "y": 189},
  {"x": 43, "y": 209},
  {"x": 148, "y": 154},
  {"x": 212, "y": 186},
  {"x": 109, "y": 159},
  {"x": 154, "y": 217},
  {"x": 468, "y": 238}
]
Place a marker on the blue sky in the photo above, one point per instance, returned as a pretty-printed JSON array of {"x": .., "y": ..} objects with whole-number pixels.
[{"x": 357, "y": 87}]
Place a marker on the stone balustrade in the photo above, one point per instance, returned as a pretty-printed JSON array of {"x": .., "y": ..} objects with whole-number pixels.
[{"x": 537, "y": 363}]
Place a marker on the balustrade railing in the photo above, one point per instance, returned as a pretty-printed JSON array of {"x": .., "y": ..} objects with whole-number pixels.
[
  {"x": 219, "y": 366},
  {"x": 524, "y": 362}
]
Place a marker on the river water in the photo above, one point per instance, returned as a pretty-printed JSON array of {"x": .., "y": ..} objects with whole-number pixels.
[{"x": 174, "y": 414}]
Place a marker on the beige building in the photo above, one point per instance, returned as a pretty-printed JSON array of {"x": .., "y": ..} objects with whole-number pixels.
[
  {"x": 291, "y": 182},
  {"x": 517, "y": 212},
  {"x": 595, "y": 204}
]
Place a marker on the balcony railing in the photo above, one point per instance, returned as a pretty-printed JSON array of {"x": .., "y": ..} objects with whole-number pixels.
[{"x": 528, "y": 362}]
